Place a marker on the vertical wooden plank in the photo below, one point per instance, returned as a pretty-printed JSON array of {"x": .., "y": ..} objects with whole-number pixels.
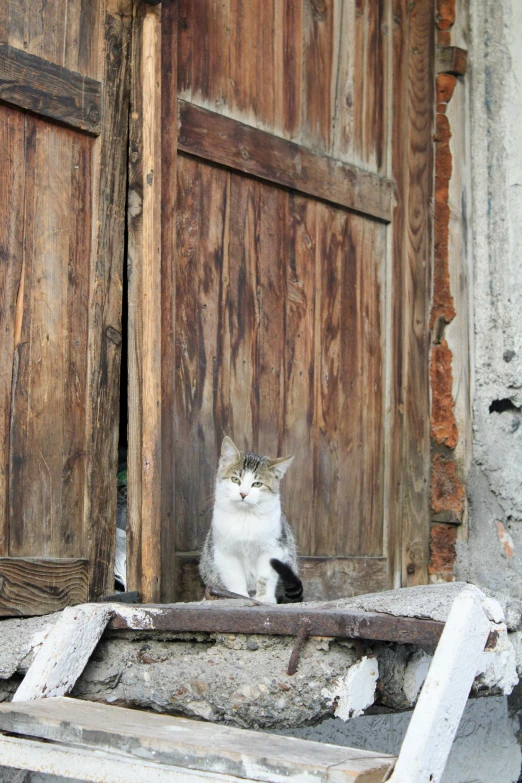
[
  {"x": 320, "y": 66},
  {"x": 329, "y": 259},
  {"x": 374, "y": 87},
  {"x": 12, "y": 190},
  {"x": 395, "y": 295},
  {"x": 144, "y": 465},
  {"x": 202, "y": 196},
  {"x": 244, "y": 311},
  {"x": 73, "y": 536},
  {"x": 300, "y": 261},
  {"x": 344, "y": 110},
  {"x": 271, "y": 296},
  {"x": 105, "y": 296},
  {"x": 38, "y": 487},
  {"x": 184, "y": 48},
  {"x": 417, "y": 254},
  {"x": 292, "y": 67},
  {"x": 169, "y": 142}
]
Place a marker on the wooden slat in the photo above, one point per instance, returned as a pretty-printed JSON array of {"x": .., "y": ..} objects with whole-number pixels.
[
  {"x": 169, "y": 149},
  {"x": 105, "y": 297},
  {"x": 451, "y": 59},
  {"x": 64, "y": 654},
  {"x": 50, "y": 90},
  {"x": 144, "y": 199},
  {"x": 224, "y": 617},
  {"x": 416, "y": 255},
  {"x": 12, "y": 187},
  {"x": 217, "y": 138},
  {"x": 191, "y": 744},
  {"x": 324, "y": 578},
  {"x": 30, "y": 586}
]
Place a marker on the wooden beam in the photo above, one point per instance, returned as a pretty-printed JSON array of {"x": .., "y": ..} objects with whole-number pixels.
[
  {"x": 326, "y": 620},
  {"x": 228, "y": 142},
  {"x": 189, "y": 744},
  {"x": 105, "y": 298},
  {"x": 144, "y": 224},
  {"x": 451, "y": 59},
  {"x": 324, "y": 578},
  {"x": 64, "y": 653},
  {"x": 31, "y": 586},
  {"x": 50, "y": 90}
]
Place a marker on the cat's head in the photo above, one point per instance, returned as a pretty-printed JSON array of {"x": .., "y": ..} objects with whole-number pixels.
[{"x": 248, "y": 480}]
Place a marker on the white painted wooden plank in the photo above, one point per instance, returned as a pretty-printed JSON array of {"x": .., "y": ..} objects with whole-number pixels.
[
  {"x": 96, "y": 766},
  {"x": 190, "y": 744},
  {"x": 65, "y": 652},
  {"x": 437, "y": 715}
]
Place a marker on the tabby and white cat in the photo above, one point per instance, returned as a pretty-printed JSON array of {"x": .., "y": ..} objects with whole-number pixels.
[{"x": 250, "y": 548}]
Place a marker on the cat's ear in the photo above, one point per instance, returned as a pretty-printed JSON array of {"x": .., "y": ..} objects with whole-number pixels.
[
  {"x": 280, "y": 466},
  {"x": 229, "y": 450}
]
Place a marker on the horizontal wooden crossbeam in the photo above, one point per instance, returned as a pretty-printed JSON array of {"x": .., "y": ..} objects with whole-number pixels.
[
  {"x": 45, "y": 88},
  {"x": 228, "y": 142},
  {"x": 33, "y": 586},
  {"x": 215, "y": 617}
]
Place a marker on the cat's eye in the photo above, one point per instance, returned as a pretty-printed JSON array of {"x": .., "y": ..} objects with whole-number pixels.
[
  {"x": 257, "y": 484},
  {"x": 235, "y": 480}
]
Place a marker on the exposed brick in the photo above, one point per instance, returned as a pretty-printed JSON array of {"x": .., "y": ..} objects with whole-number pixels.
[
  {"x": 442, "y": 550},
  {"x": 443, "y": 38},
  {"x": 445, "y": 86},
  {"x": 445, "y": 14},
  {"x": 442, "y": 129},
  {"x": 506, "y": 540},
  {"x": 447, "y": 490},
  {"x": 443, "y": 425}
]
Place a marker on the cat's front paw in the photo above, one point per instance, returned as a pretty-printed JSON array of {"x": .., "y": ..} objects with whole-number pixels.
[{"x": 266, "y": 599}]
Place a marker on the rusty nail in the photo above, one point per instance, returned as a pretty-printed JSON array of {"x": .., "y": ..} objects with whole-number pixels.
[{"x": 304, "y": 629}]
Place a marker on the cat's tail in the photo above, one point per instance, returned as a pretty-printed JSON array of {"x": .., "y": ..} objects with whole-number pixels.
[{"x": 292, "y": 585}]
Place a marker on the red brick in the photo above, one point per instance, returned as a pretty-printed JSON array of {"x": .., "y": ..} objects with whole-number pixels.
[
  {"x": 447, "y": 490},
  {"x": 442, "y": 549},
  {"x": 445, "y": 86},
  {"x": 445, "y": 14},
  {"x": 443, "y": 425},
  {"x": 443, "y": 38}
]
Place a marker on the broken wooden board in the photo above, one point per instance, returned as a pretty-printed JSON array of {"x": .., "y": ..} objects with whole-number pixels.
[
  {"x": 215, "y": 616},
  {"x": 65, "y": 652},
  {"x": 190, "y": 745}
]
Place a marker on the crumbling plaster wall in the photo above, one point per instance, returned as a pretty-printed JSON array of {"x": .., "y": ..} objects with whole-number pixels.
[{"x": 492, "y": 555}]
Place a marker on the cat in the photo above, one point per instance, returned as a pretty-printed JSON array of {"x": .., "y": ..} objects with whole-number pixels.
[{"x": 250, "y": 548}]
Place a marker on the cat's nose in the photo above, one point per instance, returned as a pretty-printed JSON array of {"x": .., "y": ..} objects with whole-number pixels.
[{"x": 243, "y": 494}]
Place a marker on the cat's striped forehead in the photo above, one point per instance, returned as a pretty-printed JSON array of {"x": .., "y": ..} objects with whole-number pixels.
[{"x": 248, "y": 462}]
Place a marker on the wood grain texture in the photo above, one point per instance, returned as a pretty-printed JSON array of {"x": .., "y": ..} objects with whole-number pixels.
[
  {"x": 47, "y": 443},
  {"x": 50, "y": 90},
  {"x": 64, "y": 653},
  {"x": 190, "y": 744},
  {"x": 144, "y": 230},
  {"x": 30, "y": 586},
  {"x": 105, "y": 296},
  {"x": 324, "y": 578},
  {"x": 310, "y": 71},
  {"x": 64, "y": 32},
  {"x": 12, "y": 187},
  {"x": 278, "y": 343},
  {"x": 217, "y": 138},
  {"x": 416, "y": 292},
  {"x": 169, "y": 149}
]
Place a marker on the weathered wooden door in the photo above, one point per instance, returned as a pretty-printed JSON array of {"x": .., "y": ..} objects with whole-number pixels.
[
  {"x": 295, "y": 258},
  {"x": 63, "y": 151}
]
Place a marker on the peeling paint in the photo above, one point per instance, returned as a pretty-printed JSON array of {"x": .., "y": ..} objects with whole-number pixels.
[{"x": 356, "y": 691}]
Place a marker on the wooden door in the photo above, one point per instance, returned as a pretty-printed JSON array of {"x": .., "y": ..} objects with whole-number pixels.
[
  {"x": 63, "y": 151},
  {"x": 293, "y": 275}
]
